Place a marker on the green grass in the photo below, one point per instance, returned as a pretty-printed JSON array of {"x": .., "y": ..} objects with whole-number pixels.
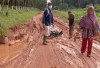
[
  {"x": 18, "y": 17},
  {"x": 79, "y": 13}
]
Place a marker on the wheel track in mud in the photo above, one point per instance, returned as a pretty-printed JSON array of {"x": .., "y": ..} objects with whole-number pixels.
[{"x": 85, "y": 58}]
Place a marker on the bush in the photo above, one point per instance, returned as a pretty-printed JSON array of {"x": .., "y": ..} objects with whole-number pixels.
[
  {"x": 19, "y": 17},
  {"x": 88, "y": 5},
  {"x": 97, "y": 8},
  {"x": 2, "y": 32},
  {"x": 7, "y": 13}
]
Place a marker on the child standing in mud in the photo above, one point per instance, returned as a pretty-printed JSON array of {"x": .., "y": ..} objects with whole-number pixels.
[
  {"x": 47, "y": 22},
  {"x": 71, "y": 24}
]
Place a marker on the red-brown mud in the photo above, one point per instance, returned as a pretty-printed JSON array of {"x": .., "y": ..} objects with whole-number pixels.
[{"x": 61, "y": 52}]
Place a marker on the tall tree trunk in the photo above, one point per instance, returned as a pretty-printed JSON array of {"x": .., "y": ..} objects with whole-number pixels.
[
  {"x": 12, "y": 5},
  {"x": 3, "y": 3},
  {"x": 95, "y": 2},
  {"x": 25, "y": 4},
  {"x": 79, "y": 3},
  {"x": 32, "y": 4},
  {"x": 0, "y": 8},
  {"x": 19, "y": 4},
  {"x": 28, "y": 5},
  {"x": 62, "y": 4},
  {"x": 8, "y": 6},
  {"x": 3, "y": 6},
  {"x": 22, "y": 4},
  {"x": 16, "y": 4}
]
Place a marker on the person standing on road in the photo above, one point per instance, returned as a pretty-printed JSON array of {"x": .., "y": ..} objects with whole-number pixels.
[
  {"x": 71, "y": 24},
  {"x": 47, "y": 22},
  {"x": 89, "y": 25}
]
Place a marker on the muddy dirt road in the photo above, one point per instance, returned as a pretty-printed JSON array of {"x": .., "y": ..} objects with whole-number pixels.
[{"x": 60, "y": 52}]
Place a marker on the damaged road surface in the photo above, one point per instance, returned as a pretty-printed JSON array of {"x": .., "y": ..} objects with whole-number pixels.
[{"x": 61, "y": 52}]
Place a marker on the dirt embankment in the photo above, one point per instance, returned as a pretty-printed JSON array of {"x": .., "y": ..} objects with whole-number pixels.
[{"x": 61, "y": 52}]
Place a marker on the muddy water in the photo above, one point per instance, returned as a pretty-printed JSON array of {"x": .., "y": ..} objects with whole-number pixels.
[{"x": 7, "y": 52}]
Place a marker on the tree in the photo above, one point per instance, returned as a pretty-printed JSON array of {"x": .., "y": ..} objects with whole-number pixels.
[
  {"x": 3, "y": 5},
  {"x": 12, "y": 5},
  {"x": 16, "y": 4},
  {"x": 79, "y": 3},
  {"x": 7, "y": 8},
  {"x": 0, "y": 8}
]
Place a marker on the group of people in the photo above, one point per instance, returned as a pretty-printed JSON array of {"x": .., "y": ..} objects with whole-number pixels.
[{"x": 88, "y": 24}]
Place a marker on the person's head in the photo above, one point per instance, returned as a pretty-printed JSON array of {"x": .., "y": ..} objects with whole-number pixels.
[
  {"x": 91, "y": 10},
  {"x": 69, "y": 12},
  {"x": 50, "y": 5}
]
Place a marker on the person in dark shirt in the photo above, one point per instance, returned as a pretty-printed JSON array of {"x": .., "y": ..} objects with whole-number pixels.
[
  {"x": 71, "y": 24},
  {"x": 47, "y": 22}
]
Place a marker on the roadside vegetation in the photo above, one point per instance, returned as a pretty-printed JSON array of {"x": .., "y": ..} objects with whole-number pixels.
[
  {"x": 18, "y": 17},
  {"x": 79, "y": 13}
]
